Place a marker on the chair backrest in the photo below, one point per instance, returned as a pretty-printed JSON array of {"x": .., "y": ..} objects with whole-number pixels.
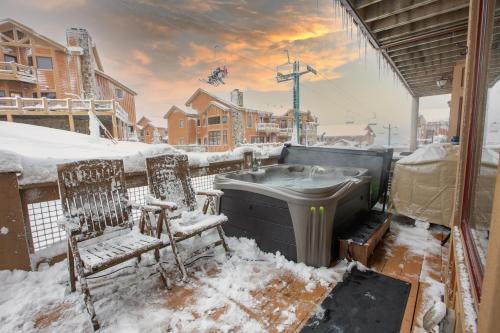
[
  {"x": 94, "y": 193},
  {"x": 168, "y": 179}
]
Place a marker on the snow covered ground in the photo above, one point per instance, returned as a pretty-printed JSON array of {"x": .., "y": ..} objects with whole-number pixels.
[
  {"x": 224, "y": 294},
  {"x": 34, "y": 151}
]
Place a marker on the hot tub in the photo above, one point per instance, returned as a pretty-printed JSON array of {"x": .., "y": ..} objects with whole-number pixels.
[{"x": 294, "y": 209}]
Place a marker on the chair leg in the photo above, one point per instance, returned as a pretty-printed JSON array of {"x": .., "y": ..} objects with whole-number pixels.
[
  {"x": 71, "y": 269},
  {"x": 173, "y": 244},
  {"x": 222, "y": 238},
  {"x": 163, "y": 272},
  {"x": 87, "y": 297}
]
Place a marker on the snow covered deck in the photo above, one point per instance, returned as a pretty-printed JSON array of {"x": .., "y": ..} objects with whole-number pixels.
[{"x": 249, "y": 292}]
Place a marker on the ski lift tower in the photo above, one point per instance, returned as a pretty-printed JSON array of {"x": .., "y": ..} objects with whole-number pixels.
[{"x": 295, "y": 76}]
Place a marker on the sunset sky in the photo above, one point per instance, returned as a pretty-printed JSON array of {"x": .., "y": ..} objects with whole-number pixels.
[{"x": 162, "y": 48}]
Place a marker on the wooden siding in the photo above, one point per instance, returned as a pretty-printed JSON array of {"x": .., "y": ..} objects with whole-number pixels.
[{"x": 106, "y": 90}]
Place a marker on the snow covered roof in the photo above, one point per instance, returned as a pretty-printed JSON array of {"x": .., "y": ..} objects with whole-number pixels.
[
  {"x": 187, "y": 110},
  {"x": 24, "y": 28},
  {"x": 218, "y": 99},
  {"x": 344, "y": 130},
  {"x": 35, "y": 151}
]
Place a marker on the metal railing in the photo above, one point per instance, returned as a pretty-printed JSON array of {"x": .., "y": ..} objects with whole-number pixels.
[
  {"x": 268, "y": 127},
  {"x": 15, "y": 71}
]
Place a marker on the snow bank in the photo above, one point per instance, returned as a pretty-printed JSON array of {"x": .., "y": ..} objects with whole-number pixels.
[{"x": 35, "y": 151}]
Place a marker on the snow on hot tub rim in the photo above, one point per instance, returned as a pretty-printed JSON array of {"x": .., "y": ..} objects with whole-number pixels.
[{"x": 318, "y": 196}]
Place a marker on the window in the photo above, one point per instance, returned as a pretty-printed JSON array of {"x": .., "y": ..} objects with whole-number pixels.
[
  {"x": 118, "y": 93},
  {"x": 16, "y": 94},
  {"x": 198, "y": 122},
  {"x": 199, "y": 141},
  {"x": 214, "y": 120},
  {"x": 30, "y": 61},
  {"x": 214, "y": 138},
  {"x": 249, "y": 120},
  {"x": 254, "y": 139},
  {"x": 44, "y": 62},
  {"x": 479, "y": 177},
  {"x": 224, "y": 137},
  {"x": 2, "y": 93},
  {"x": 224, "y": 119},
  {"x": 9, "y": 58},
  {"x": 205, "y": 141},
  {"x": 48, "y": 94},
  {"x": 35, "y": 95},
  {"x": 181, "y": 141},
  {"x": 181, "y": 123}
]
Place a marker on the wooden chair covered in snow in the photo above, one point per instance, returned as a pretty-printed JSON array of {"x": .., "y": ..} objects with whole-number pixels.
[
  {"x": 172, "y": 191},
  {"x": 98, "y": 221}
]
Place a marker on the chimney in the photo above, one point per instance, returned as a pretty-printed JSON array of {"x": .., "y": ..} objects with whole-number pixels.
[
  {"x": 80, "y": 37},
  {"x": 237, "y": 97}
]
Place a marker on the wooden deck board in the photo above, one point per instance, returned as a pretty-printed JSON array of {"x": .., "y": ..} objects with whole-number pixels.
[{"x": 285, "y": 291}]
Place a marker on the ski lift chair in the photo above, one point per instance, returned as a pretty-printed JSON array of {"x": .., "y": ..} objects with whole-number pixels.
[
  {"x": 172, "y": 192},
  {"x": 98, "y": 223}
]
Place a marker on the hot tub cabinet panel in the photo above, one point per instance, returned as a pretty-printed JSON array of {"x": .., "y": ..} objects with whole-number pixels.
[
  {"x": 259, "y": 217},
  {"x": 299, "y": 222}
]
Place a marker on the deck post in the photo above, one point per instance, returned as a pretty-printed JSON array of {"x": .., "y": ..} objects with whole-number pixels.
[
  {"x": 14, "y": 248},
  {"x": 414, "y": 123},
  {"x": 71, "y": 120}
]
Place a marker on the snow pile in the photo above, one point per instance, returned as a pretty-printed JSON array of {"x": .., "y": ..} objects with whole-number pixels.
[
  {"x": 465, "y": 285},
  {"x": 220, "y": 295},
  {"x": 35, "y": 151},
  {"x": 431, "y": 153},
  {"x": 259, "y": 151}
]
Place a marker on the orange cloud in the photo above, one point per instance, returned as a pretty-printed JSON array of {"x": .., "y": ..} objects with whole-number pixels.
[{"x": 141, "y": 57}]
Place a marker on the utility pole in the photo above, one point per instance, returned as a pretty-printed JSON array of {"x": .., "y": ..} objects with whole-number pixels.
[
  {"x": 295, "y": 76},
  {"x": 389, "y": 129}
]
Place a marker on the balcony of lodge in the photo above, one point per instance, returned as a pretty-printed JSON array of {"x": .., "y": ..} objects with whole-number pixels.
[
  {"x": 268, "y": 127},
  {"x": 13, "y": 71}
]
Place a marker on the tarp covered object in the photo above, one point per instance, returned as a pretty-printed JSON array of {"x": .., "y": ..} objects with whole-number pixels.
[{"x": 423, "y": 184}]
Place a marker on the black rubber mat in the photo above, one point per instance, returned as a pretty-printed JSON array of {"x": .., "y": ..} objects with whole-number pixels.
[{"x": 364, "y": 302}]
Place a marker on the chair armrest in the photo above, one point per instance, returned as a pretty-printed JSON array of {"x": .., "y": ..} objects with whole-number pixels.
[
  {"x": 211, "y": 193},
  {"x": 71, "y": 227},
  {"x": 153, "y": 202}
]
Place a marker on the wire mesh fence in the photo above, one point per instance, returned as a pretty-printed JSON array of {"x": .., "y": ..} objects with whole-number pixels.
[{"x": 43, "y": 216}]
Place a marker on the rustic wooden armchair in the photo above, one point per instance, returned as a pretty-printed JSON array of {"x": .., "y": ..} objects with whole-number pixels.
[
  {"x": 98, "y": 221},
  {"x": 172, "y": 192}
]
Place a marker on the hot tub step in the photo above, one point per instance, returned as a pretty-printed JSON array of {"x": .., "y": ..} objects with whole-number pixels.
[{"x": 359, "y": 241}]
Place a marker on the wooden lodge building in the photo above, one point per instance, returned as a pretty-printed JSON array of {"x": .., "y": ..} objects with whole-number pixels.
[
  {"x": 220, "y": 125},
  {"x": 43, "y": 82},
  {"x": 151, "y": 132}
]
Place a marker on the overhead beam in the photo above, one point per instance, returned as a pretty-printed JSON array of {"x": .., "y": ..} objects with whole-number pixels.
[
  {"x": 421, "y": 68},
  {"x": 449, "y": 41},
  {"x": 457, "y": 20},
  {"x": 429, "y": 53},
  {"x": 432, "y": 60},
  {"x": 389, "y": 8},
  {"x": 360, "y": 4},
  {"x": 437, "y": 10}
]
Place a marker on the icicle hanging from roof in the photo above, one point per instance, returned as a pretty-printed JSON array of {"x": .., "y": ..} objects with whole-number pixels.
[{"x": 342, "y": 11}]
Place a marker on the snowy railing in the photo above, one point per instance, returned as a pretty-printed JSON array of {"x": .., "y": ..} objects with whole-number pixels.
[
  {"x": 268, "y": 127},
  {"x": 20, "y": 105},
  {"x": 15, "y": 71},
  {"x": 41, "y": 208}
]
